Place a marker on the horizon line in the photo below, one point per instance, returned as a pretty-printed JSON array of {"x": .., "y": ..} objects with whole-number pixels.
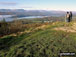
[{"x": 38, "y": 9}]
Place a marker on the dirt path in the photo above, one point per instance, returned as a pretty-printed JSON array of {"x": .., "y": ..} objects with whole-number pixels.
[{"x": 67, "y": 29}]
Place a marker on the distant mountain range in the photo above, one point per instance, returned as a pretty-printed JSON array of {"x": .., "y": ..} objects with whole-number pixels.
[{"x": 22, "y": 12}]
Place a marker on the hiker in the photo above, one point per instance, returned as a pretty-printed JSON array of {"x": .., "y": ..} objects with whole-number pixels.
[
  {"x": 67, "y": 17},
  {"x": 0, "y": 24},
  {"x": 71, "y": 16}
]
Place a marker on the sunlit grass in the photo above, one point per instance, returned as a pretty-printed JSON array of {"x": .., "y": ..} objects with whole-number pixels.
[{"x": 43, "y": 42}]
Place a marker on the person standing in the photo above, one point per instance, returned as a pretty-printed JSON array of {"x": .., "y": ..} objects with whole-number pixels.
[
  {"x": 67, "y": 17},
  {"x": 71, "y": 16}
]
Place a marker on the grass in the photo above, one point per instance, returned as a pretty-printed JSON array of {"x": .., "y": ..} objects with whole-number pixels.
[{"x": 40, "y": 43}]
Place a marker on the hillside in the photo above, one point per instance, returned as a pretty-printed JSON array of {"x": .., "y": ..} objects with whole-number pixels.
[
  {"x": 46, "y": 40},
  {"x": 71, "y": 28},
  {"x": 22, "y": 12}
]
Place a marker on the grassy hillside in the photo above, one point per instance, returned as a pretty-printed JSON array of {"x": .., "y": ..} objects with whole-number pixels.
[{"x": 41, "y": 41}]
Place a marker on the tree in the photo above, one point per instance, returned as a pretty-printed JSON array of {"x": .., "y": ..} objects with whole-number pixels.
[
  {"x": 3, "y": 27},
  {"x": 3, "y": 20}
]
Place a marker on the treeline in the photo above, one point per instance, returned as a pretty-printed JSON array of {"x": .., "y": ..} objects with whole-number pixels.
[
  {"x": 10, "y": 27},
  {"x": 7, "y": 28}
]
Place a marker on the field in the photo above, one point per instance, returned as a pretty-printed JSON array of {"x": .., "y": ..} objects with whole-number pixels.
[{"x": 39, "y": 41}]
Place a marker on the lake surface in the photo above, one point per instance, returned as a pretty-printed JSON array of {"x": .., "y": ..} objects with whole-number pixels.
[{"x": 8, "y": 17}]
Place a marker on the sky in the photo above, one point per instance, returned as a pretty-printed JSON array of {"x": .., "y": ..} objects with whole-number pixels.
[{"x": 65, "y": 5}]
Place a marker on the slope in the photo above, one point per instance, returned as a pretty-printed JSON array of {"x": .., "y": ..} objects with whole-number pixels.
[{"x": 43, "y": 42}]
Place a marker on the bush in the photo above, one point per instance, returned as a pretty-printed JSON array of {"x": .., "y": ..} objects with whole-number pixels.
[{"x": 4, "y": 28}]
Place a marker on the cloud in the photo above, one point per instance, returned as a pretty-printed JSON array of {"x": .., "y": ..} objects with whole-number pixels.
[
  {"x": 8, "y": 3},
  {"x": 26, "y": 7}
]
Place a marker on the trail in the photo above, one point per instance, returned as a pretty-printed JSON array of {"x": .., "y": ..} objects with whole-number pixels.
[{"x": 67, "y": 29}]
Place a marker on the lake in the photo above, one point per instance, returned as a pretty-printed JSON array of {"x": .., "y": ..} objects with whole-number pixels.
[{"x": 8, "y": 17}]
